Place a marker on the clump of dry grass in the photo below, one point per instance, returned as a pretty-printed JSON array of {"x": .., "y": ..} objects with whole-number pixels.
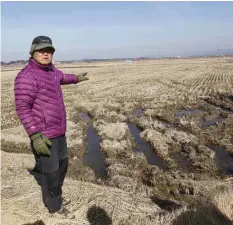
[
  {"x": 181, "y": 137},
  {"x": 224, "y": 201},
  {"x": 112, "y": 131},
  {"x": 114, "y": 141},
  {"x": 144, "y": 122},
  {"x": 160, "y": 143},
  {"x": 113, "y": 148}
]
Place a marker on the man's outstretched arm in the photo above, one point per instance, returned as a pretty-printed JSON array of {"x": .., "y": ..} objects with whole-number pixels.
[{"x": 73, "y": 78}]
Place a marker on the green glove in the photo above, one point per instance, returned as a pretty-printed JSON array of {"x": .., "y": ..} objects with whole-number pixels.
[
  {"x": 81, "y": 77},
  {"x": 40, "y": 143}
]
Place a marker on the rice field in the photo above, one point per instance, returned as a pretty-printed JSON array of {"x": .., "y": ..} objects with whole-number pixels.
[{"x": 165, "y": 127}]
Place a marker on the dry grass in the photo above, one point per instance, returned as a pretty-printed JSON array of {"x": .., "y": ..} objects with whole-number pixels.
[
  {"x": 111, "y": 96},
  {"x": 118, "y": 86},
  {"x": 21, "y": 202},
  {"x": 224, "y": 201}
]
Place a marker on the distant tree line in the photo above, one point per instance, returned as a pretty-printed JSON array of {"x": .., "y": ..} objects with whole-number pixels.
[
  {"x": 14, "y": 62},
  {"x": 23, "y": 62},
  {"x": 75, "y": 61}
]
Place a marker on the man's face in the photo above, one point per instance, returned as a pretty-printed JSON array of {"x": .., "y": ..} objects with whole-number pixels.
[{"x": 43, "y": 56}]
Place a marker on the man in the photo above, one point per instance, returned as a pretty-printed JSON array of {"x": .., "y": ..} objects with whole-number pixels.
[{"x": 41, "y": 110}]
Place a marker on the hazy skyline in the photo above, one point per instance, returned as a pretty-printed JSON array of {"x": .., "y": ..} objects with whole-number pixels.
[{"x": 116, "y": 29}]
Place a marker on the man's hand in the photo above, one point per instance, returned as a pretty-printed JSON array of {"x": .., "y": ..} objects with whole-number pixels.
[
  {"x": 41, "y": 143},
  {"x": 81, "y": 77}
]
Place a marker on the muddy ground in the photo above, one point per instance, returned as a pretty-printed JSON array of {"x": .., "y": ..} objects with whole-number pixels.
[{"x": 169, "y": 152}]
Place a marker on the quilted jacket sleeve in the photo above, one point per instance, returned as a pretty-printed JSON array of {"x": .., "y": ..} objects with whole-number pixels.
[
  {"x": 25, "y": 90},
  {"x": 68, "y": 78}
]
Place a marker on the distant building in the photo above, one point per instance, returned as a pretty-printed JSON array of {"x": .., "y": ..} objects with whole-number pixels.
[{"x": 128, "y": 61}]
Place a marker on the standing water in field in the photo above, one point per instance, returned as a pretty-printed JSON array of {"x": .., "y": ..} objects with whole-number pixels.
[
  {"x": 93, "y": 157},
  {"x": 212, "y": 122},
  {"x": 84, "y": 116},
  {"x": 188, "y": 112},
  {"x": 224, "y": 159},
  {"x": 142, "y": 146}
]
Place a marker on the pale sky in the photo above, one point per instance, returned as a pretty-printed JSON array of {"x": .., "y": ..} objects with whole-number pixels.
[{"x": 116, "y": 29}]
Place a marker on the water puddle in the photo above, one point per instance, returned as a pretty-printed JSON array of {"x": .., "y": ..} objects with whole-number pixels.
[
  {"x": 183, "y": 162},
  {"x": 93, "y": 157},
  {"x": 212, "y": 122},
  {"x": 188, "y": 112},
  {"x": 139, "y": 112},
  {"x": 224, "y": 159},
  {"x": 142, "y": 146},
  {"x": 85, "y": 116}
]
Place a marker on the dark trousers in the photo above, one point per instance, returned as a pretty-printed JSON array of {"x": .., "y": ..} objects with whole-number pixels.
[{"x": 52, "y": 171}]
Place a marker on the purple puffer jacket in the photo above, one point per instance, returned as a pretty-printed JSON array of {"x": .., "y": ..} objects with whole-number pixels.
[{"x": 39, "y": 100}]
